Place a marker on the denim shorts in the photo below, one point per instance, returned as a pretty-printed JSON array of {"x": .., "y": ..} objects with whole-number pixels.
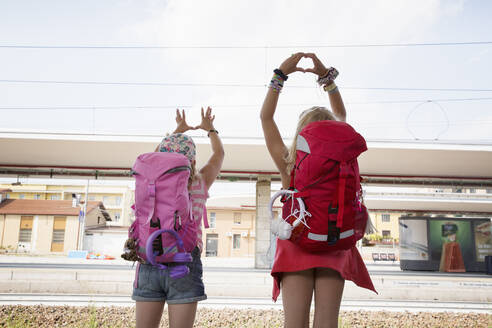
[{"x": 155, "y": 285}]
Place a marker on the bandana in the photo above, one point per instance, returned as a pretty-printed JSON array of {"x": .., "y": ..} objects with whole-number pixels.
[{"x": 179, "y": 143}]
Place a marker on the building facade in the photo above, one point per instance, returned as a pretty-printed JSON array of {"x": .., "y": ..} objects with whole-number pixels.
[
  {"x": 231, "y": 232},
  {"x": 45, "y": 226},
  {"x": 116, "y": 199}
]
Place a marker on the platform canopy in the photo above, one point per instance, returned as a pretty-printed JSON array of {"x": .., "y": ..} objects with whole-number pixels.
[{"x": 408, "y": 163}]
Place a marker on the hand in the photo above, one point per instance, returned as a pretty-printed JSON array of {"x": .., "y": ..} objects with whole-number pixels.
[
  {"x": 318, "y": 69},
  {"x": 181, "y": 121},
  {"x": 207, "y": 123},
  {"x": 290, "y": 64}
]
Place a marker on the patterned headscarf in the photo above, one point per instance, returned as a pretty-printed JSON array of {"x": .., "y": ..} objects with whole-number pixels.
[{"x": 179, "y": 143}]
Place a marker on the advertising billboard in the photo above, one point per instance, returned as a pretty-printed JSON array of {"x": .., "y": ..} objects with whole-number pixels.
[{"x": 422, "y": 240}]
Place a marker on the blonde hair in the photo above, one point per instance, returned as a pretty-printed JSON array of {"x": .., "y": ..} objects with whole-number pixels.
[{"x": 310, "y": 115}]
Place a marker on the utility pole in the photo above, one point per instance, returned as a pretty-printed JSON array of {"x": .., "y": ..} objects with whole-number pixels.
[{"x": 83, "y": 216}]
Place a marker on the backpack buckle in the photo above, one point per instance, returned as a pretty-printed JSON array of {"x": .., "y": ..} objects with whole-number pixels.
[
  {"x": 177, "y": 221},
  {"x": 333, "y": 233},
  {"x": 332, "y": 210}
]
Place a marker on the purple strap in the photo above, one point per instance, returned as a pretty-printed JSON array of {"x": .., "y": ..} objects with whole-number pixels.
[{"x": 151, "y": 192}]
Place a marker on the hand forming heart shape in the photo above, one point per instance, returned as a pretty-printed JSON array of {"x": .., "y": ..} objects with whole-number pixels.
[{"x": 290, "y": 64}]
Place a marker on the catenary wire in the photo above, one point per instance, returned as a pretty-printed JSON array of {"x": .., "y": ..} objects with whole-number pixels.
[
  {"x": 138, "y": 107},
  {"x": 163, "y": 47},
  {"x": 258, "y": 85}
]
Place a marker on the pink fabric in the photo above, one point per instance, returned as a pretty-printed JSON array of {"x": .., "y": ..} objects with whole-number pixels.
[
  {"x": 154, "y": 199},
  {"x": 199, "y": 197},
  {"x": 290, "y": 258},
  {"x": 165, "y": 197}
]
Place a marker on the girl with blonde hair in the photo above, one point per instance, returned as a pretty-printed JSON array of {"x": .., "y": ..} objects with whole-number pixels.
[{"x": 300, "y": 273}]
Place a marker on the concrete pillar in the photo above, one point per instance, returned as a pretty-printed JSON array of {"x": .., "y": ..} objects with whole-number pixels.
[{"x": 263, "y": 235}]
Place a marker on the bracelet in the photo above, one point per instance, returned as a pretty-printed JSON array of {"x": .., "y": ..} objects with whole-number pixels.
[
  {"x": 281, "y": 74},
  {"x": 330, "y": 88},
  {"x": 210, "y": 131},
  {"x": 276, "y": 84},
  {"x": 330, "y": 76}
]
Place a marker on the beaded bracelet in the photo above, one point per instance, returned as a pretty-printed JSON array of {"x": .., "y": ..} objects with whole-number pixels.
[
  {"x": 277, "y": 83},
  {"x": 281, "y": 74},
  {"x": 330, "y": 76}
]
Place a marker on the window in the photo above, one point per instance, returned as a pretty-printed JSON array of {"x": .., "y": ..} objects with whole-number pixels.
[
  {"x": 489, "y": 191},
  {"x": 25, "y": 231},
  {"x": 7, "y": 196},
  {"x": 386, "y": 234},
  {"x": 92, "y": 198},
  {"x": 117, "y": 200},
  {"x": 473, "y": 190},
  {"x": 22, "y": 196},
  {"x": 236, "y": 241},
  {"x": 58, "y": 240},
  {"x": 211, "y": 245},
  {"x": 385, "y": 217},
  {"x": 117, "y": 216},
  {"x": 55, "y": 197},
  {"x": 37, "y": 196},
  {"x": 237, "y": 218},
  {"x": 211, "y": 222},
  {"x": 106, "y": 200}
]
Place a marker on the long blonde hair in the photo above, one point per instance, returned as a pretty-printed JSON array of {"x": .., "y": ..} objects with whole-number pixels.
[{"x": 310, "y": 115}]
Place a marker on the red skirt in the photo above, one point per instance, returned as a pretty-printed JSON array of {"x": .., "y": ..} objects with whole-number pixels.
[{"x": 290, "y": 258}]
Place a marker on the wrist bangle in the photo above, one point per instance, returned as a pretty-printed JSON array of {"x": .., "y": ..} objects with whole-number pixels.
[
  {"x": 330, "y": 88},
  {"x": 281, "y": 74},
  {"x": 210, "y": 131}
]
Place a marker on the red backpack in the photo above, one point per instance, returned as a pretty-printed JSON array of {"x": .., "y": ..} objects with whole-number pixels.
[{"x": 325, "y": 182}]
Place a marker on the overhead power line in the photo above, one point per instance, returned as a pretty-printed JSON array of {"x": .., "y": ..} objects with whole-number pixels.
[
  {"x": 251, "y": 85},
  {"x": 137, "y": 107},
  {"x": 291, "y": 46}
]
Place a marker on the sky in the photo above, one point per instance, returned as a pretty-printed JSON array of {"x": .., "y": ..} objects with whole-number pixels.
[{"x": 222, "y": 54}]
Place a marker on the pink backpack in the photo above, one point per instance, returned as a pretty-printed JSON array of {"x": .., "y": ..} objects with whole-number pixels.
[
  {"x": 323, "y": 207},
  {"x": 164, "y": 230}
]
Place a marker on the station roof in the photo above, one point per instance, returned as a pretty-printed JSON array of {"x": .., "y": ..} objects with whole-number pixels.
[{"x": 385, "y": 162}]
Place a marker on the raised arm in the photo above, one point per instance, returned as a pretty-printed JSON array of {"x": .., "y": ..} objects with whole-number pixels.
[
  {"x": 274, "y": 142},
  {"x": 336, "y": 101},
  {"x": 211, "y": 170}
]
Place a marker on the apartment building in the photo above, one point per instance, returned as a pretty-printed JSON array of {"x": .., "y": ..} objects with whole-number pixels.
[{"x": 231, "y": 232}]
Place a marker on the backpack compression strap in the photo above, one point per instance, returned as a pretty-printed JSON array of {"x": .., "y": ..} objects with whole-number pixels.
[
  {"x": 342, "y": 180},
  {"x": 151, "y": 192}
]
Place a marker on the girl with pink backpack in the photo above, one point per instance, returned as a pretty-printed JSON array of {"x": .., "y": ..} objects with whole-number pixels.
[
  {"x": 321, "y": 188},
  {"x": 166, "y": 237}
]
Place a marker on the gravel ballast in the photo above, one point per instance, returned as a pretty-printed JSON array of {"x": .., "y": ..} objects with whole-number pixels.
[{"x": 40, "y": 316}]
